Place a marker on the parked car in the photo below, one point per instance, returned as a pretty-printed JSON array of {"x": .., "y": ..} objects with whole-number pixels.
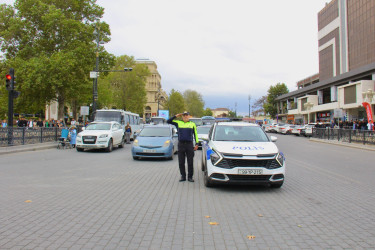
[
  {"x": 278, "y": 126},
  {"x": 241, "y": 153},
  {"x": 202, "y": 132},
  {"x": 271, "y": 128},
  {"x": 308, "y": 129},
  {"x": 98, "y": 135},
  {"x": 156, "y": 141},
  {"x": 297, "y": 130},
  {"x": 286, "y": 129}
]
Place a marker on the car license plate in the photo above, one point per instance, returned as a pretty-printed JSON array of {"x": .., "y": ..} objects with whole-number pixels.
[
  {"x": 89, "y": 139},
  {"x": 149, "y": 150},
  {"x": 250, "y": 171}
]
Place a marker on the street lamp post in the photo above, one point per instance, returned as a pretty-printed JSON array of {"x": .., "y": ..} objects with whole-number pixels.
[
  {"x": 95, "y": 80},
  {"x": 249, "y": 105}
]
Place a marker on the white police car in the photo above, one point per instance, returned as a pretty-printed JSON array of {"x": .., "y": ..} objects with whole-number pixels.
[{"x": 239, "y": 152}]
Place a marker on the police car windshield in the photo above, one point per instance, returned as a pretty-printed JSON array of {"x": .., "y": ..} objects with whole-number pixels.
[
  {"x": 155, "y": 132},
  {"x": 240, "y": 133},
  {"x": 98, "y": 126}
]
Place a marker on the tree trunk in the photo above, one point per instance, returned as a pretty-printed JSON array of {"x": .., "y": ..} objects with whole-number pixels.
[{"x": 61, "y": 102}]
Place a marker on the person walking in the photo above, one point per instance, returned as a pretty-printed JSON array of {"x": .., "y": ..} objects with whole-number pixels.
[
  {"x": 128, "y": 132},
  {"x": 186, "y": 131}
]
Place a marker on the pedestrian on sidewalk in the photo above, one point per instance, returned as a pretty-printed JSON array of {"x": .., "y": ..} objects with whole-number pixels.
[
  {"x": 128, "y": 132},
  {"x": 186, "y": 148},
  {"x": 73, "y": 136}
]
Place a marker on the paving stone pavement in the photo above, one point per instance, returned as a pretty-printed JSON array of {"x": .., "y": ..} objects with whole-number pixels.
[{"x": 96, "y": 200}]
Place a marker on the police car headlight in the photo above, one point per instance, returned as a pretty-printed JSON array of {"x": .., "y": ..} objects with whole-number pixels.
[
  {"x": 103, "y": 136},
  {"x": 135, "y": 143},
  {"x": 280, "y": 158},
  {"x": 215, "y": 157},
  {"x": 166, "y": 143}
]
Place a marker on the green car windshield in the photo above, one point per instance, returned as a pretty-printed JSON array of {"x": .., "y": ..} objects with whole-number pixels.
[{"x": 155, "y": 132}]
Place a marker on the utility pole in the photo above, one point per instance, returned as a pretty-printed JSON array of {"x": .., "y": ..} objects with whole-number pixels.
[{"x": 249, "y": 105}]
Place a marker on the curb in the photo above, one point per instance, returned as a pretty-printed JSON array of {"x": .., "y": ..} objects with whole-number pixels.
[
  {"x": 345, "y": 144},
  {"x": 25, "y": 148}
]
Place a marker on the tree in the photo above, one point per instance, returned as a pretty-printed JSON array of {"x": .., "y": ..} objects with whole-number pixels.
[
  {"x": 175, "y": 103},
  {"x": 125, "y": 90},
  {"x": 273, "y": 92},
  {"x": 258, "y": 106},
  {"x": 232, "y": 114},
  {"x": 207, "y": 112},
  {"x": 194, "y": 102},
  {"x": 50, "y": 43}
]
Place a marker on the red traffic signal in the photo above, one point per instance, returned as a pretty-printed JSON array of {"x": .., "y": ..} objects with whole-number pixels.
[{"x": 8, "y": 83}]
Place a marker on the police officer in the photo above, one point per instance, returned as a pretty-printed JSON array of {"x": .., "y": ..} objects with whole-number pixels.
[{"x": 186, "y": 131}]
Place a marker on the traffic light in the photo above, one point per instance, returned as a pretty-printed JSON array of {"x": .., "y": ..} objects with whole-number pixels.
[{"x": 8, "y": 81}]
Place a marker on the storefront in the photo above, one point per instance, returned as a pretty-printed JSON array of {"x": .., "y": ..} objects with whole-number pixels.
[{"x": 324, "y": 116}]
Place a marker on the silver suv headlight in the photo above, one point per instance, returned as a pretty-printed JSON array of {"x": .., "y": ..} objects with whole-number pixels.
[
  {"x": 215, "y": 157},
  {"x": 280, "y": 158},
  {"x": 103, "y": 136}
]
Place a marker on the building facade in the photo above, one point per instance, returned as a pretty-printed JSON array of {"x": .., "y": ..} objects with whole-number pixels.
[
  {"x": 156, "y": 96},
  {"x": 346, "y": 79},
  {"x": 220, "y": 112}
]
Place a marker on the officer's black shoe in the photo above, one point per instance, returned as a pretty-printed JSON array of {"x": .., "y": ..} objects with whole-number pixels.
[
  {"x": 190, "y": 179},
  {"x": 182, "y": 179}
]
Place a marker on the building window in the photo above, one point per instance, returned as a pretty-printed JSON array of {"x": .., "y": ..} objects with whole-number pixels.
[
  {"x": 303, "y": 101},
  {"x": 350, "y": 94}
]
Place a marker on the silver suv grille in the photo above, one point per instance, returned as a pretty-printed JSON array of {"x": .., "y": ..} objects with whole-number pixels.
[{"x": 233, "y": 163}]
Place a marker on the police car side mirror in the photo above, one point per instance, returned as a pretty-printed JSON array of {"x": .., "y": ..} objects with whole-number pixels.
[{"x": 273, "y": 138}]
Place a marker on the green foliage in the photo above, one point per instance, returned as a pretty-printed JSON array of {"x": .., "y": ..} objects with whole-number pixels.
[
  {"x": 232, "y": 114},
  {"x": 194, "y": 103},
  {"x": 175, "y": 103},
  {"x": 273, "y": 92},
  {"x": 207, "y": 112},
  {"x": 50, "y": 43},
  {"x": 125, "y": 90}
]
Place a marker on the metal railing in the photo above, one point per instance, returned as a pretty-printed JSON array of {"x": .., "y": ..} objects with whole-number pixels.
[
  {"x": 345, "y": 135},
  {"x": 23, "y": 136}
]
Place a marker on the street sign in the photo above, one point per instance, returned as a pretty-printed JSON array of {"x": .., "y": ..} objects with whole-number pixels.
[
  {"x": 94, "y": 74},
  {"x": 337, "y": 113},
  {"x": 84, "y": 110}
]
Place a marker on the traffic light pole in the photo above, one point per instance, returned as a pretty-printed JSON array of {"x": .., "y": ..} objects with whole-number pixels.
[{"x": 10, "y": 108}]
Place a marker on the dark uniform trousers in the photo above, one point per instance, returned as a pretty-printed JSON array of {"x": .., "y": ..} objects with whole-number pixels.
[{"x": 186, "y": 148}]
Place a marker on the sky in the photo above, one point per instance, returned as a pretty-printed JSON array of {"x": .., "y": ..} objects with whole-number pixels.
[{"x": 225, "y": 50}]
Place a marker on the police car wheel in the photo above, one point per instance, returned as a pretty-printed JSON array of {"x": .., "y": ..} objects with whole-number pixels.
[
  {"x": 206, "y": 180},
  {"x": 203, "y": 162}
]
